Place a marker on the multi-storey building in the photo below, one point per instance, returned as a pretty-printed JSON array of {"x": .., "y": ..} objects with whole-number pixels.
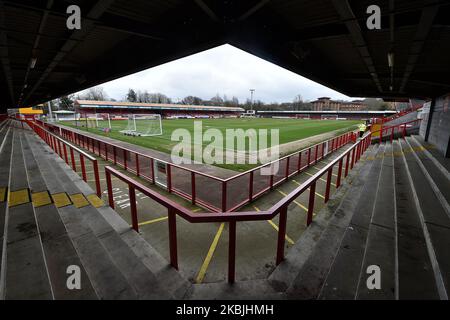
[{"x": 326, "y": 104}]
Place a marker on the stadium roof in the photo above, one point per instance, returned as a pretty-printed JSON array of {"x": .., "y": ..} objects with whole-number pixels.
[
  {"x": 324, "y": 40},
  {"x": 155, "y": 106}
]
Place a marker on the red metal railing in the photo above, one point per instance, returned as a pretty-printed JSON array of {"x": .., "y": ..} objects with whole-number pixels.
[
  {"x": 344, "y": 162},
  {"x": 68, "y": 152},
  {"x": 221, "y": 196},
  {"x": 395, "y": 130},
  {"x": 397, "y": 115}
]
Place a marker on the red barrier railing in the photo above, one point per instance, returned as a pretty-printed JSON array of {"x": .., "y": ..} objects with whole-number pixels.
[
  {"x": 223, "y": 194},
  {"x": 347, "y": 159},
  {"x": 397, "y": 115},
  {"x": 67, "y": 152},
  {"x": 393, "y": 131}
]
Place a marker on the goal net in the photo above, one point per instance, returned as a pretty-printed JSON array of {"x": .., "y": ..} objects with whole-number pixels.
[
  {"x": 99, "y": 121},
  {"x": 144, "y": 125},
  {"x": 329, "y": 117},
  {"x": 249, "y": 114}
]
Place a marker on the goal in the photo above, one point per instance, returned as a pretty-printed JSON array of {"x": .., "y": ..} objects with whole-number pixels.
[
  {"x": 143, "y": 125},
  {"x": 329, "y": 117},
  {"x": 249, "y": 114},
  {"x": 99, "y": 121}
]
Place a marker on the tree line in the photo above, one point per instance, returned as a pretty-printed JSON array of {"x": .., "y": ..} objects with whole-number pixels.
[{"x": 99, "y": 94}]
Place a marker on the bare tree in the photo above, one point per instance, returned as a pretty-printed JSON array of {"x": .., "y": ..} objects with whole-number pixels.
[
  {"x": 65, "y": 102},
  {"x": 94, "y": 93},
  {"x": 192, "y": 100}
]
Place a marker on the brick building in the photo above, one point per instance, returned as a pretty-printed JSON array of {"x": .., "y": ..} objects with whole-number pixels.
[{"x": 326, "y": 104}]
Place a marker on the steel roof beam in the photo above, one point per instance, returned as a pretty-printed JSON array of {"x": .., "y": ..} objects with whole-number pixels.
[
  {"x": 253, "y": 9},
  {"x": 348, "y": 17},
  {"x": 77, "y": 35},
  {"x": 207, "y": 10},
  {"x": 4, "y": 55},
  {"x": 36, "y": 42},
  {"x": 423, "y": 30}
]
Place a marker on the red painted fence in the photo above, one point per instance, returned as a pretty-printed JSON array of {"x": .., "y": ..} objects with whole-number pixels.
[
  {"x": 343, "y": 163},
  {"x": 397, "y": 115},
  {"x": 390, "y": 132},
  {"x": 220, "y": 195},
  {"x": 69, "y": 153}
]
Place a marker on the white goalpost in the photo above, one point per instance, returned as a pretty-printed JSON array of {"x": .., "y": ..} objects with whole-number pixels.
[
  {"x": 143, "y": 125},
  {"x": 249, "y": 114},
  {"x": 100, "y": 121},
  {"x": 329, "y": 117}
]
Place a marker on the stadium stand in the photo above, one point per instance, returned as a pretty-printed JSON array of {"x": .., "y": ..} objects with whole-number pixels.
[
  {"x": 392, "y": 211},
  {"x": 50, "y": 224},
  {"x": 166, "y": 110},
  {"x": 394, "y": 215}
]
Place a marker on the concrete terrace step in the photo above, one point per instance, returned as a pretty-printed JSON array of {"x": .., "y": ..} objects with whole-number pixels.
[
  {"x": 415, "y": 271},
  {"x": 439, "y": 181},
  {"x": 142, "y": 280},
  {"x": 58, "y": 248},
  {"x": 301, "y": 274},
  {"x": 173, "y": 280},
  {"x": 434, "y": 220},
  {"x": 25, "y": 275},
  {"x": 381, "y": 246},
  {"x": 342, "y": 279},
  {"x": 106, "y": 278},
  {"x": 387, "y": 230},
  {"x": 5, "y": 158},
  {"x": 431, "y": 151}
]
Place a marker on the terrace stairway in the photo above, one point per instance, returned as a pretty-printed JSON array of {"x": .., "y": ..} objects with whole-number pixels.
[
  {"x": 395, "y": 215},
  {"x": 41, "y": 236}
]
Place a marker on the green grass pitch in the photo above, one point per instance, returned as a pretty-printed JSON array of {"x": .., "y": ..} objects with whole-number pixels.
[{"x": 289, "y": 130}]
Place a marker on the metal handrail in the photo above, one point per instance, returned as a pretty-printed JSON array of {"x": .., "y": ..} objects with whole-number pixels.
[
  {"x": 336, "y": 142},
  {"x": 60, "y": 146},
  {"x": 205, "y": 174},
  {"x": 392, "y": 129},
  {"x": 352, "y": 155}
]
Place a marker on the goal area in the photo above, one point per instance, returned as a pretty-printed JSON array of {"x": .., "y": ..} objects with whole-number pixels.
[
  {"x": 99, "y": 121},
  {"x": 143, "y": 125},
  {"x": 329, "y": 117}
]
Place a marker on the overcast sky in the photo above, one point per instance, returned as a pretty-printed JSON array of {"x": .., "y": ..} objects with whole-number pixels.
[{"x": 225, "y": 70}]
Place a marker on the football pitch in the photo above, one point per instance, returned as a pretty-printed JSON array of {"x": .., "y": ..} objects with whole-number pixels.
[{"x": 289, "y": 130}]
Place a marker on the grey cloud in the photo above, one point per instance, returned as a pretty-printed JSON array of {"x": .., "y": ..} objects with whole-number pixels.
[{"x": 225, "y": 70}]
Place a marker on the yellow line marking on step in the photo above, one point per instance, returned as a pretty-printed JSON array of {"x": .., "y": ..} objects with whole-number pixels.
[
  {"x": 309, "y": 174},
  {"x": 18, "y": 197},
  {"x": 296, "y": 202},
  {"x": 209, "y": 255},
  {"x": 317, "y": 194},
  {"x": 40, "y": 199},
  {"x": 79, "y": 201},
  {"x": 320, "y": 169},
  {"x": 61, "y": 199},
  {"x": 276, "y": 227},
  {"x": 197, "y": 210},
  {"x": 2, "y": 194},
  {"x": 95, "y": 201},
  {"x": 152, "y": 221}
]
